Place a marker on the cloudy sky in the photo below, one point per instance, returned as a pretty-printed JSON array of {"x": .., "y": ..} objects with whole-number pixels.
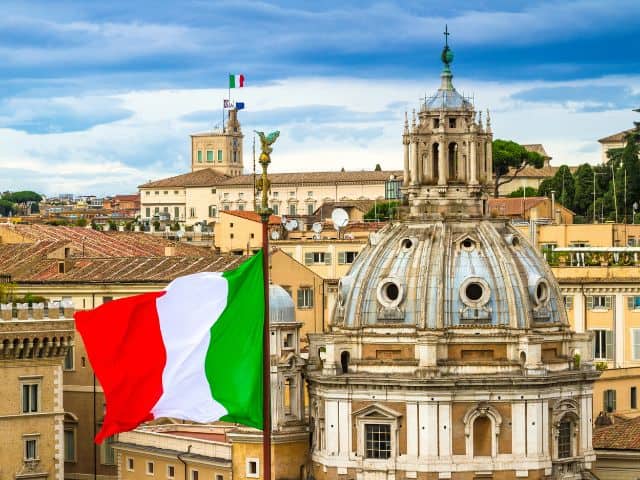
[{"x": 98, "y": 97}]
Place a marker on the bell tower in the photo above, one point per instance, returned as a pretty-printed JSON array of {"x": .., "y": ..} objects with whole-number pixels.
[
  {"x": 447, "y": 152},
  {"x": 220, "y": 150}
]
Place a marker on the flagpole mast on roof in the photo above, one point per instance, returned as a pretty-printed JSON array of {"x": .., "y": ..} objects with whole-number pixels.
[{"x": 263, "y": 185}]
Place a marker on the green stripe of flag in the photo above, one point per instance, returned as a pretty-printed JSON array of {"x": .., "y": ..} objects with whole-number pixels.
[{"x": 233, "y": 364}]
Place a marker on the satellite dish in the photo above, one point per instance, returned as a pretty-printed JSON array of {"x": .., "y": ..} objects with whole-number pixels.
[
  {"x": 340, "y": 218},
  {"x": 317, "y": 227},
  {"x": 179, "y": 234},
  {"x": 316, "y": 236},
  {"x": 275, "y": 235},
  {"x": 291, "y": 225}
]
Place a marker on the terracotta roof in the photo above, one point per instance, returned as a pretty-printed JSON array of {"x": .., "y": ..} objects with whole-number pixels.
[
  {"x": 622, "y": 435},
  {"x": 208, "y": 177},
  {"x": 616, "y": 137},
  {"x": 253, "y": 216},
  {"x": 32, "y": 262},
  {"x": 93, "y": 243},
  {"x": 362, "y": 205},
  {"x": 127, "y": 198},
  {"x": 542, "y": 172},
  {"x": 513, "y": 206},
  {"x": 538, "y": 148},
  {"x": 200, "y": 178}
]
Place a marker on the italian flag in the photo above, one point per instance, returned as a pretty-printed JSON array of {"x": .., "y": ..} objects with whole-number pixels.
[
  {"x": 192, "y": 351},
  {"x": 236, "y": 81}
]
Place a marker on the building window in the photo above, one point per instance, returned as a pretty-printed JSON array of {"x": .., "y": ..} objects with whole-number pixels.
[
  {"x": 482, "y": 441},
  {"x": 603, "y": 344},
  {"x": 305, "y": 297},
  {"x": 194, "y": 474},
  {"x": 452, "y": 122},
  {"x": 568, "y": 302},
  {"x": 225, "y": 195},
  {"x": 564, "y": 439},
  {"x": 219, "y": 477},
  {"x": 609, "y": 400},
  {"x": 107, "y": 299},
  {"x": 213, "y": 211},
  {"x": 633, "y": 303},
  {"x": 240, "y": 207},
  {"x": 347, "y": 257},
  {"x": 147, "y": 192},
  {"x": 148, "y": 212},
  {"x": 219, "y": 156},
  {"x": 274, "y": 194},
  {"x": 599, "y": 302},
  {"x": 274, "y": 207},
  {"x": 225, "y": 208},
  {"x": 635, "y": 343},
  {"x": 108, "y": 454},
  {"x": 317, "y": 257},
  {"x": 171, "y": 471},
  {"x": 392, "y": 189},
  {"x": 292, "y": 209},
  {"x": 68, "y": 359},
  {"x": 157, "y": 192},
  {"x": 310, "y": 208},
  {"x": 176, "y": 213},
  {"x": 192, "y": 212},
  {"x": 631, "y": 241},
  {"x": 156, "y": 210},
  {"x": 633, "y": 397},
  {"x": 292, "y": 194},
  {"x": 30, "y": 448},
  {"x": 30, "y": 397},
  {"x": 199, "y": 156},
  {"x": 209, "y": 156},
  {"x": 130, "y": 464},
  {"x": 70, "y": 444},
  {"x": 288, "y": 341},
  {"x": 436, "y": 123},
  {"x": 150, "y": 468},
  {"x": 213, "y": 190},
  {"x": 253, "y": 469},
  {"x": 378, "y": 440}
]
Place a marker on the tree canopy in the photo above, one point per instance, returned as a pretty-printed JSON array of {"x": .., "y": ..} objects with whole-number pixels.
[
  {"x": 382, "y": 211},
  {"x": 508, "y": 155},
  {"x": 23, "y": 197},
  {"x": 524, "y": 192},
  {"x": 7, "y": 208}
]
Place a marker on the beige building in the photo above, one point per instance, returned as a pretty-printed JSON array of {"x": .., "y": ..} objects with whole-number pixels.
[
  {"x": 240, "y": 232},
  {"x": 221, "y": 150},
  {"x": 617, "y": 140},
  {"x": 548, "y": 237},
  {"x": 37, "y": 436},
  {"x": 530, "y": 208}
]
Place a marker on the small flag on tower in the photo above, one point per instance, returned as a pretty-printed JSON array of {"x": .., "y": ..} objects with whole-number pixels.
[
  {"x": 239, "y": 105},
  {"x": 236, "y": 81}
]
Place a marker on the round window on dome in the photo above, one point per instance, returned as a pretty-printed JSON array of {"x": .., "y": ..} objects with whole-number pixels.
[
  {"x": 390, "y": 292},
  {"x": 475, "y": 292},
  {"x": 468, "y": 244},
  {"x": 541, "y": 292},
  {"x": 407, "y": 243}
]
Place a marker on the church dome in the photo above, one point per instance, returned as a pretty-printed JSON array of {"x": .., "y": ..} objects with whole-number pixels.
[
  {"x": 281, "y": 307},
  {"x": 449, "y": 274}
]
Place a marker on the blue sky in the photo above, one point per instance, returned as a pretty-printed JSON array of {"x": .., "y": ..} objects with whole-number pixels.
[{"x": 97, "y": 97}]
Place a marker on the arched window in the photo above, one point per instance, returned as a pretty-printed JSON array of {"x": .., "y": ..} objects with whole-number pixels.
[
  {"x": 453, "y": 160},
  {"x": 564, "y": 438},
  {"x": 434, "y": 160},
  {"x": 482, "y": 437},
  {"x": 344, "y": 361}
]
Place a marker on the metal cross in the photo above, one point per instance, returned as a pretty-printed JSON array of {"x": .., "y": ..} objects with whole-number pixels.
[{"x": 446, "y": 35}]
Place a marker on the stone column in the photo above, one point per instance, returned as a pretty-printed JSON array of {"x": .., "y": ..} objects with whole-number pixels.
[
  {"x": 489, "y": 159},
  {"x": 578, "y": 313},
  {"x": 405, "y": 180},
  {"x": 619, "y": 330},
  {"x": 473, "y": 163},
  {"x": 415, "y": 172},
  {"x": 442, "y": 163}
]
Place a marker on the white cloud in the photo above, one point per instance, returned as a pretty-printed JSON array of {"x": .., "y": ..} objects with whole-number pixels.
[{"x": 153, "y": 142}]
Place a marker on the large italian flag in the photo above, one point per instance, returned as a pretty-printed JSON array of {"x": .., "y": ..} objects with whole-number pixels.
[{"x": 193, "y": 351}]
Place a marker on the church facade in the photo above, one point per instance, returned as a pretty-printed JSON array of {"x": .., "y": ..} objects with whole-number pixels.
[{"x": 449, "y": 354}]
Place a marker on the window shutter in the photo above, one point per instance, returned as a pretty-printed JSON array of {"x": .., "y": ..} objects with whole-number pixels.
[
  {"x": 607, "y": 302},
  {"x": 590, "y": 302},
  {"x": 327, "y": 259},
  {"x": 630, "y": 303},
  {"x": 310, "y": 293},
  {"x": 300, "y": 298},
  {"x": 568, "y": 302},
  {"x": 308, "y": 258},
  {"x": 609, "y": 343},
  {"x": 636, "y": 343},
  {"x": 594, "y": 344},
  {"x": 342, "y": 258}
]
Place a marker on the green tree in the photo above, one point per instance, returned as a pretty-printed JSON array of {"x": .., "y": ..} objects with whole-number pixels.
[
  {"x": 7, "y": 208},
  {"x": 509, "y": 159},
  {"x": 378, "y": 168},
  {"x": 528, "y": 192},
  {"x": 23, "y": 197},
  {"x": 382, "y": 211},
  {"x": 583, "y": 190},
  {"x": 562, "y": 183},
  {"x": 81, "y": 222},
  {"x": 626, "y": 164}
]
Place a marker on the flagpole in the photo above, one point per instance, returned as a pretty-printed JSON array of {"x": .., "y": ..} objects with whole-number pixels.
[{"x": 265, "y": 213}]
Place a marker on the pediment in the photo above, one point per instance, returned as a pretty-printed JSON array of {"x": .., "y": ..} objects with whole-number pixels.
[{"x": 377, "y": 410}]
